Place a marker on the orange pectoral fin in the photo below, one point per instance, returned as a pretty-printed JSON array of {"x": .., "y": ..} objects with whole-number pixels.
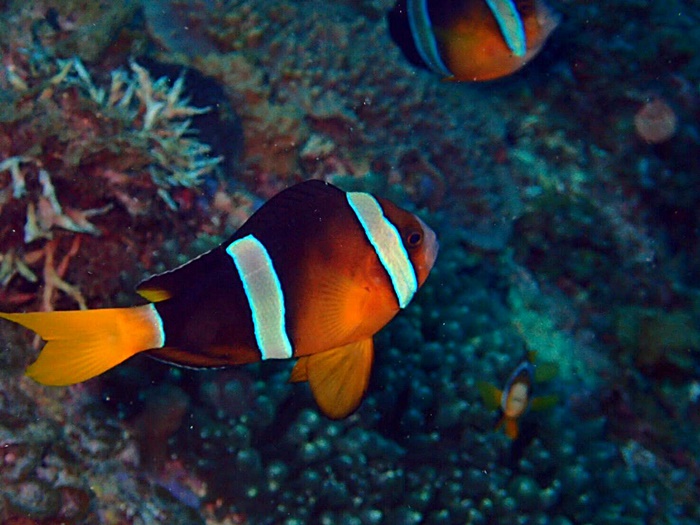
[
  {"x": 300, "y": 371},
  {"x": 339, "y": 378},
  {"x": 336, "y": 309},
  {"x": 490, "y": 394}
]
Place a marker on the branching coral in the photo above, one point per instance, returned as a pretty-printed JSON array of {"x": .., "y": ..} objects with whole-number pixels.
[{"x": 73, "y": 149}]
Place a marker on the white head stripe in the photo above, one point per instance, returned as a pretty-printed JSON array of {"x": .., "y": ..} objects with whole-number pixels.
[
  {"x": 265, "y": 297},
  {"x": 423, "y": 36},
  {"x": 386, "y": 240},
  {"x": 511, "y": 25}
]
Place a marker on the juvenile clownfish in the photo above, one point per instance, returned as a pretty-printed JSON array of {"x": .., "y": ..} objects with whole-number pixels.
[
  {"x": 313, "y": 275},
  {"x": 516, "y": 397},
  {"x": 471, "y": 40}
]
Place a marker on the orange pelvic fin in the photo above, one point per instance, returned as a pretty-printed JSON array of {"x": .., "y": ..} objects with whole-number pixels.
[
  {"x": 300, "y": 372},
  {"x": 338, "y": 378},
  {"x": 82, "y": 344}
]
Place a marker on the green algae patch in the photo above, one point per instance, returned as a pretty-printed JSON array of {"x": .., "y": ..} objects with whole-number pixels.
[{"x": 654, "y": 337}]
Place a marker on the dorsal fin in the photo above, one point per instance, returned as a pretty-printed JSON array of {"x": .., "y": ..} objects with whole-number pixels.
[
  {"x": 288, "y": 205},
  {"x": 297, "y": 203},
  {"x": 168, "y": 284},
  {"x": 525, "y": 7}
]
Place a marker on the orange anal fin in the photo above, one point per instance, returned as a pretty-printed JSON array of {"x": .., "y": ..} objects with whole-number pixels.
[
  {"x": 186, "y": 359},
  {"x": 490, "y": 394},
  {"x": 544, "y": 402},
  {"x": 85, "y": 343},
  {"x": 339, "y": 378},
  {"x": 300, "y": 372},
  {"x": 510, "y": 426}
]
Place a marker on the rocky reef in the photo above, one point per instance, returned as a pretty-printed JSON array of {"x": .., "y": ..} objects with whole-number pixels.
[{"x": 565, "y": 199}]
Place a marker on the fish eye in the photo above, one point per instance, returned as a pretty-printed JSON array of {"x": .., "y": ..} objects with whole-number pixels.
[{"x": 414, "y": 239}]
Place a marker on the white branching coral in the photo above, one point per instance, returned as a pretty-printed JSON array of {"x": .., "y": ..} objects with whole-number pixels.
[
  {"x": 72, "y": 148},
  {"x": 19, "y": 185},
  {"x": 45, "y": 212},
  {"x": 155, "y": 120},
  {"x": 178, "y": 158}
]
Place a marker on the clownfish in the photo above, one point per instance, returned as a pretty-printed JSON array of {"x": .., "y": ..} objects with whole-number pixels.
[
  {"x": 516, "y": 397},
  {"x": 312, "y": 275},
  {"x": 471, "y": 40}
]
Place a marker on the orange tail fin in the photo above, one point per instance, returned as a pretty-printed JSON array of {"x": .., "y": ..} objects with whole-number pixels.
[{"x": 82, "y": 344}]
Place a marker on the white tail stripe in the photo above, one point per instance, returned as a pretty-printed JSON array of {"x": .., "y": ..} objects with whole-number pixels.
[
  {"x": 157, "y": 321},
  {"x": 265, "y": 297},
  {"x": 386, "y": 240}
]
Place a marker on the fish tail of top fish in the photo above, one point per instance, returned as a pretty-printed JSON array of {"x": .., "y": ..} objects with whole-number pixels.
[{"x": 82, "y": 344}]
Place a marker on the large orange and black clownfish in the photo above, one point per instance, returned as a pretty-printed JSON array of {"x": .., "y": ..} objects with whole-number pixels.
[
  {"x": 313, "y": 275},
  {"x": 471, "y": 40}
]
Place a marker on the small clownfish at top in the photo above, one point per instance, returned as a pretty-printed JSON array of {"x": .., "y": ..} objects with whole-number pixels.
[
  {"x": 516, "y": 397},
  {"x": 471, "y": 40},
  {"x": 313, "y": 275}
]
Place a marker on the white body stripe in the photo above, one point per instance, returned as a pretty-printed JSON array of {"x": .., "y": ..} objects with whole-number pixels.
[
  {"x": 511, "y": 25},
  {"x": 423, "y": 36},
  {"x": 386, "y": 240},
  {"x": 265, "y": 297},
  {"x": 157, "y": 321}
]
